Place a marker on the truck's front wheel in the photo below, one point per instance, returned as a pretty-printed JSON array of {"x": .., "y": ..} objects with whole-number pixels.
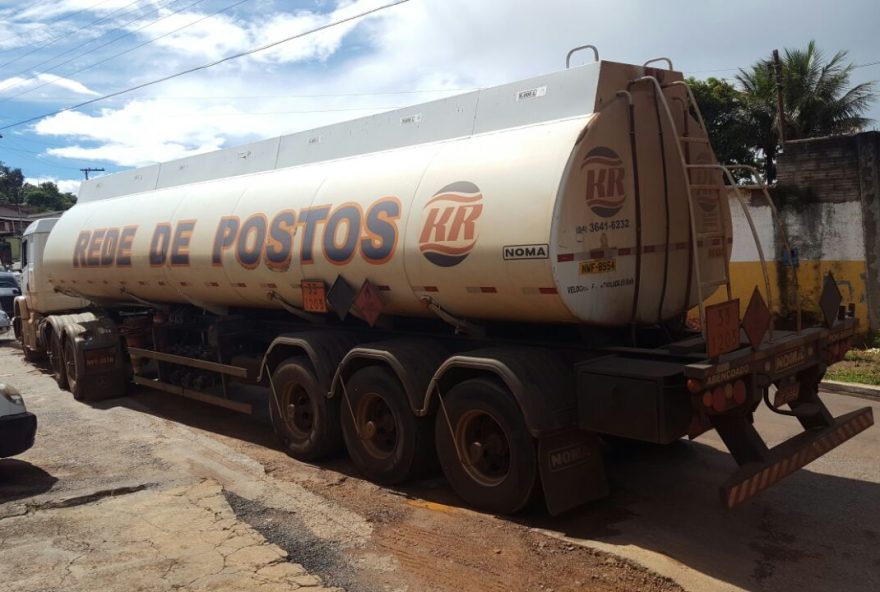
[
  {"x": 485, "y": 450},
  {"x": 305, "y": 421}
]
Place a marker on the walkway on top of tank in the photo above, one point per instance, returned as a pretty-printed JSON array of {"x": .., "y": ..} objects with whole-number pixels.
[{"x": 559, "y": 95}]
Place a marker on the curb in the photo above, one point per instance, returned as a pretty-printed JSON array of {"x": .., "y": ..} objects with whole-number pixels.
[{"x": 847, "y": 388}]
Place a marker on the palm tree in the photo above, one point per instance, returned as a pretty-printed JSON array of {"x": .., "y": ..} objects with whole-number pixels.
[{"x": 817, "y": 97}]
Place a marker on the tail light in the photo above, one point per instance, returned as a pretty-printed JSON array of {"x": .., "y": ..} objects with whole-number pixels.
[{"x": 725, "y": 396}]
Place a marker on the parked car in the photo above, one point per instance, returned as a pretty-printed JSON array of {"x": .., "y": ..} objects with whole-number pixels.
[
  {"x": 17, "y": 425},
  {"x": 9, "y": 289},
  {"x": 5, "y": 323}
]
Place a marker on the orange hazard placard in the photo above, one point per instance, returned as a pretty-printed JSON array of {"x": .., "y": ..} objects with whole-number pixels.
[
  {"x": 722, "y": 328},
  {"x": 314, "y": 296}
]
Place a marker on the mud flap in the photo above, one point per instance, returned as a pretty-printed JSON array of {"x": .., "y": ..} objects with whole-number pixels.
[{"x": 572, "y": 469}]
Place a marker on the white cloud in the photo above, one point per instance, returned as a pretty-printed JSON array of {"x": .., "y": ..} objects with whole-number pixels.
[
  {"x": 52, "y": 8},
  {"x": 50, "y": 82},
  {"x": 64, "y": 185}
]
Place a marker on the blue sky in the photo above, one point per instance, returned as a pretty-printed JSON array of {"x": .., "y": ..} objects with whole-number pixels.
[{"x": 55, "y": 53}]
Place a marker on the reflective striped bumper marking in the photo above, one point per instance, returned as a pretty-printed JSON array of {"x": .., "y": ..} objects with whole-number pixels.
[{"x": 793, "y": 454}]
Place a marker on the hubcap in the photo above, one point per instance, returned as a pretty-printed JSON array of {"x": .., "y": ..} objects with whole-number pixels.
[
  {"x": 376, "y": 426},
  {"x": 485, "y": 448},
  {"x": 298, "y": 412}
]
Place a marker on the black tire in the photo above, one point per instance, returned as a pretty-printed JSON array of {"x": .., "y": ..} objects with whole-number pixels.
[
  {"x": 499, "y": 470},
  {"x": 70, "y": 370},
  {"x": 394, "y": 444},
  {"x": 56, "y": 360},
  {"x": 305, "y": 421}
]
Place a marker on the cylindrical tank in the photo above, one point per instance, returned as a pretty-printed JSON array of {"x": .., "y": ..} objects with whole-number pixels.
[{"x": 553, "y": 222}]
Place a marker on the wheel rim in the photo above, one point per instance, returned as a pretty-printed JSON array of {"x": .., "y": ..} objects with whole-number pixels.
[
  {"x": 70, "y": 364},
  {"x": 55, "y": 354},
  {"x": 376, "y": 425},
  {"x": 299, "y": 414},
  {"x": 484, "y": 447}
]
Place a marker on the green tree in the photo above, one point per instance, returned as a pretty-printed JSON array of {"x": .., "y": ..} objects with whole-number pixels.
[
  {"x": 721, "y": 104},
  {"x": 46, "y": 196},
  {"x": 817, "y": 96},
  {"x": 11, "y": 183}
]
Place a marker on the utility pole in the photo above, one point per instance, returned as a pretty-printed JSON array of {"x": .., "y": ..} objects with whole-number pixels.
[
  {"x": 780, "y": 106},
  {"x": 88, "y": 170}
]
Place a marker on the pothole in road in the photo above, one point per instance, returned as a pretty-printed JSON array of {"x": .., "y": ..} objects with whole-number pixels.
[{"x": 286, "y": 530}]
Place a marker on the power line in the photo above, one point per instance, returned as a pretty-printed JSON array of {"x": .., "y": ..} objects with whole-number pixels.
[
  {"x": 62, "y": 16},
  {"x": 26, "y": 153},
  {"x": 66, "y": 35},
  {"x": 129, "y": 50},
  {"x": 211, "y": 64},
  {"x": 94, "y": 49},
  {"x": 868, "y": 64}
]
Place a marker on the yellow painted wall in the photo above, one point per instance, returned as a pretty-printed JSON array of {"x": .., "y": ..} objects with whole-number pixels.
[{"x": 850, "y": 276}]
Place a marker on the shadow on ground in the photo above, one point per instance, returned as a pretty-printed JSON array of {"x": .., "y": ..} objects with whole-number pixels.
[
  {"x": 812, "y": 531},
  {"x": 20, "y": 480}
]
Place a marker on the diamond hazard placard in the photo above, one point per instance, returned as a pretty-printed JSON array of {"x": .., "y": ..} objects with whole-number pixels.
[{"x": 368, "y": 303}]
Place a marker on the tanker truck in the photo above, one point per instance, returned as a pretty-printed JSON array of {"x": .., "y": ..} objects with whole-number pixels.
[{"x": 495, "y": 282}]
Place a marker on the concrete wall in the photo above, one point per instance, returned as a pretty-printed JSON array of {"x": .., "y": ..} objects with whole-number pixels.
[{"x": 828, "y": 195}]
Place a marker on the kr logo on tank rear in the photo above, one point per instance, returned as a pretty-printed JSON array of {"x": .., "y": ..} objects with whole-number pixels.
[
  {"x": 604, "y": 172},
  {"x": 449, "y": 232}
]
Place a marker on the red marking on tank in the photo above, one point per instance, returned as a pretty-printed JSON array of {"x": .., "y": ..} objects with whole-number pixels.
[
  {"x": 142, "y": 283},
  {"x": 212, "y": 284},
  {"x": 122, "y": 282},
  {"x": 548, "y": 290},
  {"x": 106, "y": 282},
  {"x": 624, "y": 251},
  {"x": 239, "y": 285},
  {"x": 562, "y": 258},
  {"x": 488, "y": 289},
  {"x": 649, "y": 248},
  {"x": 681, "y": 246},
  {"x": 597, "y": 254},
  {"x": 161, "y": 283},
  {"x": 430, "y": 289},
  {"x": 269, "y": 285},
  {"x": 383, "y": 288},
  {"x": 184, "y": 284}
]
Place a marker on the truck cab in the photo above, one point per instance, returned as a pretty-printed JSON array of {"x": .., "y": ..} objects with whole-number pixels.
[{"x": 39, "y": 298}]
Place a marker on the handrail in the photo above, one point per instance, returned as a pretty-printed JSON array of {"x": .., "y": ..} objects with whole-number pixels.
[
  {"x": 690, "y": 200},
  {"x": 660, "y": 59},
  {"x": 748, "y": 215},
  {"x": 579, "y": 48}
]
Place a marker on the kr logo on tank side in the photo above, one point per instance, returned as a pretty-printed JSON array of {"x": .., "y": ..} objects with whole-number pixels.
[{"x": 449, "y": 232}]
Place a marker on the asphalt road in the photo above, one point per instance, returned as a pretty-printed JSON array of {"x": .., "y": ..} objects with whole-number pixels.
[{"x": 99, "y": 471}]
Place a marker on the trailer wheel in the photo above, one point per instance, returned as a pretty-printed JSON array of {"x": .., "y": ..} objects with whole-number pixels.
[
  {"x": 70, "y": 370},
  {"x": 498, "y": 469},
  {"x": 56, "y": 360},
  {"x": 305, "y": 421},
  {"x": 386, "y": 441}
]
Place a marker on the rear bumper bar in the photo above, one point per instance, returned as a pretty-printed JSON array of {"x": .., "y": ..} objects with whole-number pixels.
[{"x": 791, "y": 455}]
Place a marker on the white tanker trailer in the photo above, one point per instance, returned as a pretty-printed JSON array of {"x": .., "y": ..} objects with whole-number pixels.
[{"x": 497, "y": 278}]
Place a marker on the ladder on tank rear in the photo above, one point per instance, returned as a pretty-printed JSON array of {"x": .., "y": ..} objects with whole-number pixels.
[{"x": 684, "y": 140}]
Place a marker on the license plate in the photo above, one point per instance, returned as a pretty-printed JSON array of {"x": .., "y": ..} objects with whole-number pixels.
[
  {"x": 786, "y": 393},
  {"x": 598, "y": 266}
]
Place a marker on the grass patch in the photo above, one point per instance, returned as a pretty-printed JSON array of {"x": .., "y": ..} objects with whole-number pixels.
[{"x": 861, "y": 366}]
